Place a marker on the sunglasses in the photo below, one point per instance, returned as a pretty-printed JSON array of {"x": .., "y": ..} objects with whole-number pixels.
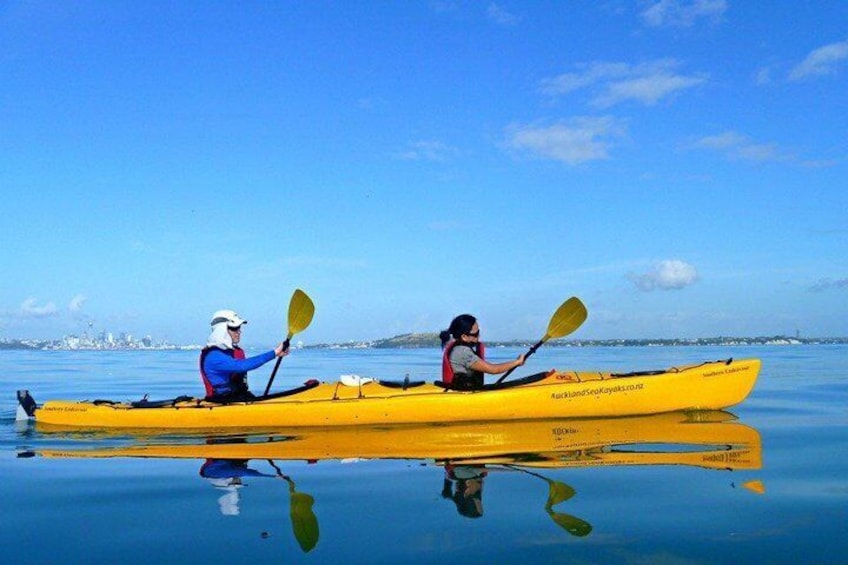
[
  {"x": 236, "y": 330},
  {"x": 474, "y": 334}
]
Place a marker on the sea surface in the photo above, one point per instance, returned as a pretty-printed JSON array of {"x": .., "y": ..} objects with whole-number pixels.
[{"x": 764, "y": 482}]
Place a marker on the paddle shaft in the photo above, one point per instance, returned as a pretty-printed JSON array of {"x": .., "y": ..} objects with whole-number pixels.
[
  {"x": 523, "y": 470},
  {"x": 530, "y": 352},
  {"x": 277, "y": 469},
  {"x": 276, "y": 366}
]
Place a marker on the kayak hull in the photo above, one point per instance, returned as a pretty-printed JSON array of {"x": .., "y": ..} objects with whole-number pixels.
[{"x": 559, "y": 394}]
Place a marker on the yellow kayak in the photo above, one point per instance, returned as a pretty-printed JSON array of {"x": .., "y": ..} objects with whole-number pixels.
[
  {"x": 710, "y": 439},
  {"x": 712, "y": 385}
]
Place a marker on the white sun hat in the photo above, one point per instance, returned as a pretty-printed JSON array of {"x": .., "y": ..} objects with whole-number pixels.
[{"x": 228, "y": 317}]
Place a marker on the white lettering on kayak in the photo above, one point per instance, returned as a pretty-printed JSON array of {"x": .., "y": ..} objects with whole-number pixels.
[
  {"x": 596, "y": 391},
  {"x": 728, "y": 371},
  {"x": 65, "y": 409},
  {"x": 728, "y": 457}
]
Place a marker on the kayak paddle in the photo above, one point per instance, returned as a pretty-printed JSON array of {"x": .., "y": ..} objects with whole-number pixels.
[
  {"x": 301, "y": 310},
  {"x": 569, "y": 316},
  {"x": 303, "y": 519},
  {"x": 559, "y": 492}
]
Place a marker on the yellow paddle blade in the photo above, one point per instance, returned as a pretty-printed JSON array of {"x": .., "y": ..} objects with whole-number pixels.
[
  {"x": 303, "y": 520},
  {"x": 568, "y": 317},
  {"x": 558, "y": 492},
  {"x": 571, "y": 524},
  {"x": 301, "y": 310},
  {"x": 755, "y": 486}
]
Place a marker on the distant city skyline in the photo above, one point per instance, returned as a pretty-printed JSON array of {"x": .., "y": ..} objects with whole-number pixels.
[{"x": 72, "y": 342}]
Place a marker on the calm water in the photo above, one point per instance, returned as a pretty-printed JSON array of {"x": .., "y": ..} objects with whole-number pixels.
[{"x": 793, "y": 508}]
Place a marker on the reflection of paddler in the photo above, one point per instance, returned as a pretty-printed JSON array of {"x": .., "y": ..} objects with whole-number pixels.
[
  {"x": 227, "y": 474},
  {"x": 228, "y": 503},
  {"x": 229, "y": 469},
  {"x": 464, "y": 485}
]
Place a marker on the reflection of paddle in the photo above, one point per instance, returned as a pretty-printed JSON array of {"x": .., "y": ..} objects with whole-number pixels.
[
  {"x": 303, "y": 519},
  {"x": 571, "y": 524},
  {"x": 568, "y": 317},
  {"x": 301, "y": 310},
  {"x": 560, "y": 492}
]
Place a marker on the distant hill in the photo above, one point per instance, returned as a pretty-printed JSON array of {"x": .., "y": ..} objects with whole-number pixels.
[
  {"x": 431, "y": 340},
  {"x": 408, "y": 341},
  {"x": 16, "y": 345}
]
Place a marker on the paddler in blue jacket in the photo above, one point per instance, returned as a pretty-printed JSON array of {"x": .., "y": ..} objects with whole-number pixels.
[{"x": 223, "y": 365}]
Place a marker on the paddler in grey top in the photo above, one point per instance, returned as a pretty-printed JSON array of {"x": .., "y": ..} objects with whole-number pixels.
[{"x": 464, "y": 363}]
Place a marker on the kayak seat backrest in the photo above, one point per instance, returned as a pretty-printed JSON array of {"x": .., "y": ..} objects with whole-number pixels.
[
  {"x": 583, "y": 377},
  {"x": 311, "y": 383},
  {"x": 404, "y": 384},
  {"x": 637, "y": 374},
  {"x": 144, "y": 403},
  {"x": 529, "y": 379}
]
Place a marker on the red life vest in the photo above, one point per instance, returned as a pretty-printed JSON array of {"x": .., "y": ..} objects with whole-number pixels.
[
  {"x": 447, "y": 370},
  {"x": 237, "y": 353}
]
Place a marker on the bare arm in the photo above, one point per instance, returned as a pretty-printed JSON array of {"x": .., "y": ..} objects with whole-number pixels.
[{"x": 497, "y": 368}]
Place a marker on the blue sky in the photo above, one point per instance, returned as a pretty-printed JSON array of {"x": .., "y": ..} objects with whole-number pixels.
[{"x": 680, "y": 165}]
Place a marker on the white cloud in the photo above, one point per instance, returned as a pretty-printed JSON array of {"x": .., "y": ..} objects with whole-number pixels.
[
  {"x": 738, "y": 146},
  {"x": 31, "y": 309},
  {"x": 429, "y": 151},
  {"x": 576, "y": 141},
  {"x": 501, "y": 16},
  {"x": 822, "y": 61},
  {"x": 75, "y": 307},
  {"x": 591, "y": 73},
  {"x": 827, "y": 284},
  {"x": 679, "y": 13},
  {"x": 763, "y": 76},
  {"x": 648, "y": 90},
  {"x": 614, "y": 83},
  {"x": 671, "y": 274},
  {"x": 723, "y": 140},
  {"x": 76, "y": 303}
]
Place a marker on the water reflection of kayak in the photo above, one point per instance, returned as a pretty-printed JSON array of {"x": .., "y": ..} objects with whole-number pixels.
[
  {"x": 558, "y": 394},
  {"x": 712, "y": 439}
]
